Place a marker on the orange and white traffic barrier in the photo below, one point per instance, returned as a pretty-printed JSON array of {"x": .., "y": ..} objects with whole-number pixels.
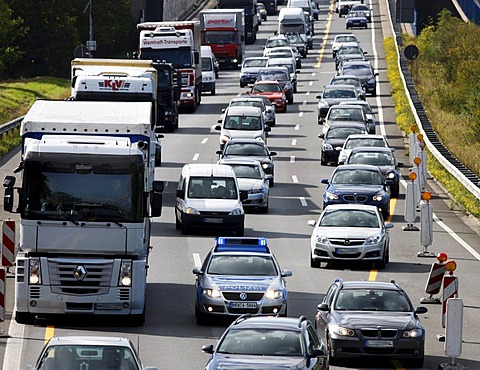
[
  {"x": 435, "y": 279},
  {"x": 8, "y": 243},
  {"x": 2, "y": 294},
  {"x": 450, "y": 287}
]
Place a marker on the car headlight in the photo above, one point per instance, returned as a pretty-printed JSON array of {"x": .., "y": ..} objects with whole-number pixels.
[
  {"x": 236, "y": 212},
  {"x": 212, "y": 293},
  {"x": 327, "y": 146},
  {"x": 35, "y": 272},
  {"x": 331, "y": 196},
  {"x": 378, "y": 197},
  {"x": 321, "y": 239},
  {"x": 371, "y": 81},
  {"x": 125, "y": 277},
  {"x": 191, "y": 211},
  {"x": 374, "y": 239},
  {"x": 189, "y": 95},
  {"x": 344, "y": 332},
  {"x": 414, "y": 333},
  {"x": 390, "y": 175},
  {"x": 273, "y": 294},
  {"x": 257, "y": 191}
]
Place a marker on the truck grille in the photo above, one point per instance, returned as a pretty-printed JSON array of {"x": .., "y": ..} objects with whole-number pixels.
[{"x": 80, "y": 278}]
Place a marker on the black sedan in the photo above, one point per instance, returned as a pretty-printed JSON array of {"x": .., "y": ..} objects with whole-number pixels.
[
  {"x": 371, "y": 319},
  {"x": 384, "y": 159},
  {"x": 334, "y": 139},
  {"x": 258, "y": 343},
  {"x": 364, "y": 71}
]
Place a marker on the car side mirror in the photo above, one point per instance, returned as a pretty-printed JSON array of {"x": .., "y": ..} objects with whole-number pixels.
[
  {"x": 273, "y": 154},
  {"x": 311, "y": 223},
  {"x": 218, "y": 127},
  {"x": 318, "y": 352},
  {"x": 421, "y": 309},
  {"x": 318, "y": 96},
  {"x": 324, "y": 181},
  {"x": 286, "y": 273},
  {"x": 323, "y": 307},
  {"x": 219, "y": 152},
  {"x": 389, "y": 225},
  {"x": 180, "y": 193},
  {"x": 197, "y": 270},
  {"x": 223, "y": 111},
  {"x": 321, "y": 136},
  {"x": 208, "y": 348}
]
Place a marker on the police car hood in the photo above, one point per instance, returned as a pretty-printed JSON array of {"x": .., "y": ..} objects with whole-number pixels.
[
  {"x": 212, "y": 205},
  {"x": 247, "y": 184},
  {"x": 244, "y": 283},
  {"x": 374, "y": 319},
  {"x": 237, "y": 362}
]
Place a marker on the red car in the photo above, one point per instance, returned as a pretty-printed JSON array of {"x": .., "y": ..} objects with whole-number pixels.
[{"x": 273, "y": 91}]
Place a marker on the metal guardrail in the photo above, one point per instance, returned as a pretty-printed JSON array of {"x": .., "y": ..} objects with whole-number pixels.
[
  {"x": 456, "y": 168},
  {"x": 10, "y": 125}
]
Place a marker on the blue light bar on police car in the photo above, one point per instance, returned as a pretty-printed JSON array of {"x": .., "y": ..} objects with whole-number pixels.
[{"x": 258, "y": 245}]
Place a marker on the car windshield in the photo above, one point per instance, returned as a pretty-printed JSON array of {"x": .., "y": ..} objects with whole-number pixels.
[
  {"x": 246, "y": 149},
  {"x": 219, "y": 37},
  {"x": 246, "y": 171},
  {"x": 350, "y": 50},
  {"x": 349, "y": 218},
  {"x": 345, "y": 114},
  {"x": 361, "y": 7},
  {"x": 242, "y": 265},
  {"x": 345, "y": 39},
  {"x": 248, "y": 63},
  {"x": 247, "y": 103},
  {"x": 357, "y": 70},
  {"x": 259, "y": 88},
  {"x": 262, "y": 342},
  {"x": 356, "y": 142},
  {"x": 372, "y": 300},
  {"x": 273, "y": 76},
  {"x": 294, "y": 39},
  {"x": 376, "y": 159},
  {"x": 357, "y": 177},
  {"x": 346, "y": 81},
  {"x": 249, "y": 123},
  {"x": 212, "y": 188},
  {"x": 342, "y": 132},
  {"x": 279, "y": 54},
  {"x": 339, "y": 94},
  {"x": 276, "y": 43},
  {"x": 88, "y": 357}
]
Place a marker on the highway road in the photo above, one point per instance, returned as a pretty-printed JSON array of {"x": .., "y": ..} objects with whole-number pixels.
[{"x": 170, "y": 338}]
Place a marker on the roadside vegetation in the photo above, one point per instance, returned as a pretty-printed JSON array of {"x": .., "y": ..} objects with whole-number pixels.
[{"x": 446, "y": 77}]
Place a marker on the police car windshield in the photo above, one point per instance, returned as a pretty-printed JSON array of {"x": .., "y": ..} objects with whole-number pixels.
[{"x": 242, "y": 265}]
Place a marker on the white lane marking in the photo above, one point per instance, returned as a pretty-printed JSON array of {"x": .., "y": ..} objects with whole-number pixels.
[
  {"x": 14, "y": 345},
  {"x": 313, "y": 74},
  {"x": 295, "y": 179},
  {"x": 300, "y": 114},
  {"x": 196, "y": 259},
  {"x": 307, "y": 93},
  {"x": 292, "y": 159},
  {"x": 195, "y": 157},
  {"x": 303, "y": 201},
  {"x": 310, "y": 83},
  {"x": 294, "y": 142},
  {"x": 297, "y": 127},
  {"x": 204, "y": 140}
]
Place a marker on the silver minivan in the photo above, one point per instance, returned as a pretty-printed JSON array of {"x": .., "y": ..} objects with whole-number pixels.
[{"x": 208, "y": 197}]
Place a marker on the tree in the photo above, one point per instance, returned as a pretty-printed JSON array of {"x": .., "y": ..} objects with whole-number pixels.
[{"x": 11, "y": 30}]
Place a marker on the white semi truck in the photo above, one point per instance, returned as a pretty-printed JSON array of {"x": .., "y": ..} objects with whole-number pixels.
[{"x": 86, "y": 197}]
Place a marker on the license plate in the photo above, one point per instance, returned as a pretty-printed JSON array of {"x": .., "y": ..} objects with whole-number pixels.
[
  {"x": 379, "y": 343},
  {"x": 243, "y": 305},
  {"x": 345, "y": 250},
  {"x": 213, "y": 220}
]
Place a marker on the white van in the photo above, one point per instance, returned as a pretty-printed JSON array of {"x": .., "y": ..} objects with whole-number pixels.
[
  {"x": 208, "y": 197},
  {"x": 292, "y": 21},
  {"x": 306, "y": 5},
  {"x": 208, "y": 69}
]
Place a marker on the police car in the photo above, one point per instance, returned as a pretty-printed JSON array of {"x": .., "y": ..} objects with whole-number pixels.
[{"x": 240, "y": 276}]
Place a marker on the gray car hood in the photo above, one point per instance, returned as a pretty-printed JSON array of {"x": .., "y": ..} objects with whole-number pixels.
[
  {"x": 250, "y": 362},
  {"x": 364, "y": 319}
]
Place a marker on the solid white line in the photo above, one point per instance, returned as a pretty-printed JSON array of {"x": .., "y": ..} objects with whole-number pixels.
[
  {"x": 204, "y": 140},
  {"x": 295, "y": 179},
  {"x": 303, "y": 201},
  {"x": 294, "y": 142},
  {"x": 196, "y": 259},
  {"x": 307, "y": 93},
  {"x": 14, "y": 345},
  {"x": 292, "y": 159},
  {"x": 300, "y": 114},
  {"x": 195, "y": 157},
  {"x": 310, "y": 83},
  {"x": 297, "y": 127}
]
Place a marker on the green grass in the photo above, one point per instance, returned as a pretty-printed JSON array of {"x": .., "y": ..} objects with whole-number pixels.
[{"x": 405, "y": 120}]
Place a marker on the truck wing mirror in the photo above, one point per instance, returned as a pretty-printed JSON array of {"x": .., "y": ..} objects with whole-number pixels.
[
  {"x": 196, "y": 57},
  {"x": 158, "y": 186},
  {"x": 156, "y": 202},
  {"x": 8, "y": 200}
]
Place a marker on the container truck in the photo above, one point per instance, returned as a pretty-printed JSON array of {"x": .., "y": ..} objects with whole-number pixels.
[
  {"x": 224, "y": 31},
  {"x": 86, "y": 196},
  {"x": 250, "y": 12},
  {"x": 177, "y": 43},
  {"x": 130, "y": 80}
]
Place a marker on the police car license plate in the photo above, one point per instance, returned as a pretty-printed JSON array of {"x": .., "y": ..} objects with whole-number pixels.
[
  {"x": 213, "y": 220},
  {"x": 243, "y": 305},
  {"x": 379, "y": 343}
]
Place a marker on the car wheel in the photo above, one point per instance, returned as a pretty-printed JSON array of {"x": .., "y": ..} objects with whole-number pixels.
[
  {"x": 346, "y": 27},
  {"x": 417, "y": 362},
  {"x": 295, "y": 88},
  {"x": 290, "y": 101},
  {"x": 201, "y": 318},
  {"x": 184, "y": 228},
  {"x": 374, "y": 93},
  {"x": 395, "y": 190},
  {"x": 285, "y": 314},
  {"x": 264, "y": 209},
  {"x": 285, "y": 110},
  {"x": 323, "y": 161},
  {"x": 383, "y": 263},
  {"x": 366, "y": 26},
  {"x": 137, "y": 320},
  {"x": 213, "y": 92},
  {"x": 314, "y": 263},
  {"x": 242, "y": 85},
  {"x": 158, "y": 158}
]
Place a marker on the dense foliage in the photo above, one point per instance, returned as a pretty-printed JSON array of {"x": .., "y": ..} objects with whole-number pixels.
[{"x": 40, "y": 36}]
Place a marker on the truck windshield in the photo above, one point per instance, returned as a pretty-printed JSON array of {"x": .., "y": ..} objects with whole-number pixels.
[
  {"x": 219, "y": 37},
  {"x": 179, "y": 58},
  {"x": 292, "y": 28},
  {"x": 83, "y": 188}
]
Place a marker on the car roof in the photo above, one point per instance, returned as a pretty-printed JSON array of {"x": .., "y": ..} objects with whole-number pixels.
[
  {"x": 336, "y": 87},
  {"x": 274, "y": 68},
  {"x": 354, "y": 102},
  {"x": 245, "y": 161},
  {"x": 88, "y": 340},
  {"x": 270, "y": 322},
  {"x": 241, "y": 110},
  {"x": 382, "y": 149},
  {"x": 359, "y": 61},
  {"x": 349, "y": 167},
  {"x": 347, "y": 106},
  {"x": 370, "y": 284},
  {"x": 210, "y": 169},
  {"x": 352, "y": 206},
  {"x": 280, "y": 61},
  {"x": 267, "y": 82},
  {"x": 367, "y": 136}
]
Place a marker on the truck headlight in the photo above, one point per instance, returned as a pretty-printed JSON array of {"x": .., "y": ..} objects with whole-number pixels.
[
  {"x": 212, "y": 293},
  {"x": 273, "y": 294},
  {"x": 35, "y": 272},
  {"x": 189, "y": 95},
  {"x": 236, "y": 212},
  {"x": 125, "y": 278},
  {"x": 191, "y": 211}
]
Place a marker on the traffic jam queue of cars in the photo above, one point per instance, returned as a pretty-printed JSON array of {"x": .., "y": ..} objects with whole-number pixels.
[{"x": 240, "y": 278}]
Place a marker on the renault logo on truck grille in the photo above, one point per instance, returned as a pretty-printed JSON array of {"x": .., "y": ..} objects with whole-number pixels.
[{"x": 80, "y": 272}]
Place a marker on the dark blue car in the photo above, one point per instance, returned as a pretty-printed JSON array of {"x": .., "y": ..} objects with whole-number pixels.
[
  {"x": 354, "y": 183},
  {"x": 356, "y": 19}
]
